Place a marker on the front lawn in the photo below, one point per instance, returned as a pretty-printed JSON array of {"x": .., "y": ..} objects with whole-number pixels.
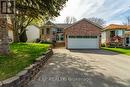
[
  {"x": 22, "y": 55},
  {"x": 119, "y": 50}
]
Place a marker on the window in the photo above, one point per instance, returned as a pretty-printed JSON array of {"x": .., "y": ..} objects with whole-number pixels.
[
  {"x": 3, "y": 6},
  {"x": 59, "y": 30},
  {"x": 42, "y": 31},
  {"x": 127, "y": 40},
  {"x": 112, "y": 33},
  {"x": 47, "y": 31},
  {"x": 119, "y": 32},
  {"x": 62, "y": 37},
  {"x": 7, "y": 7}
]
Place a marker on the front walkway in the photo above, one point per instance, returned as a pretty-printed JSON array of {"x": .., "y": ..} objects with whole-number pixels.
[{"x": 80, "y": 69}]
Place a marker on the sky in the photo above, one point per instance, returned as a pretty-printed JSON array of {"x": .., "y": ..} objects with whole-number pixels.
[{"x": 112, "y": 11}]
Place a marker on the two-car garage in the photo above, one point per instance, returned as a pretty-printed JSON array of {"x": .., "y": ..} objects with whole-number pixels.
[
  {"x": 83, "y": 35},
  {"x": 83, "y": 42}
]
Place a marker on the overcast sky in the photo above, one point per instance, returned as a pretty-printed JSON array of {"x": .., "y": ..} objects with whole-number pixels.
[{"x": 112, "y": 11}]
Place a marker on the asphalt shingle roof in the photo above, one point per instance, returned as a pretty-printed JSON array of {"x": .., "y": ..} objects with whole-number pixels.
[{"x": 115, "y": 26}]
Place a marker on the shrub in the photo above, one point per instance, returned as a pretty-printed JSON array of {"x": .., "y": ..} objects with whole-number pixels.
[
  {"x": 115, "y": 44},
  {"x": 45, "y": 42},
  {"x": 103, "y": 45},
  {"x": 37, "y": 40}
]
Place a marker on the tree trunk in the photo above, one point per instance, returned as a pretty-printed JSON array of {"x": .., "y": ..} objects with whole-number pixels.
[
  {"x": 15, "y": 31},
  {"x": 16, "y": 35},
  {"x": 23, "y": 36},
  {"x": 4, "y": 40}
]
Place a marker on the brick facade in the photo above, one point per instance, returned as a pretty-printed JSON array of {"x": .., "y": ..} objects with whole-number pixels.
[{"x": 84, "y": 28}]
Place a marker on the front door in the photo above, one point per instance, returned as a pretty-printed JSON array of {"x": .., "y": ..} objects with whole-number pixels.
[{"x": 60, "y": 37}]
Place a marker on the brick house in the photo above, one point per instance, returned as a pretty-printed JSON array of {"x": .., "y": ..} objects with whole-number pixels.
[
  {"x": 53, "y": 32},
  {"x": 116, "y": 34},
  {"x": 83, "y": 34}
]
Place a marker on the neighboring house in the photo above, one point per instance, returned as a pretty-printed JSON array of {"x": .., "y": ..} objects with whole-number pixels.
[
  {"x": 33, "y": 33},
  {"x": 53, "y": 32},
  {"x": 116, "y": 34},
  {"x": 83, "y": 34}
]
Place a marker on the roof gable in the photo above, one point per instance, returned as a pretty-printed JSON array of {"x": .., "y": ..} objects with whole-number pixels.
[
  {"x": 84, "y": 19},
  {"x": 49, "y": 23},
  {"x": 60, "y": 25},
  {"x": 63, "y": 26}
]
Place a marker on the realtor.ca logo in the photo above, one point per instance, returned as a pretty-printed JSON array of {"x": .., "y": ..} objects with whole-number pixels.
[{"x": 7, "y": 6}]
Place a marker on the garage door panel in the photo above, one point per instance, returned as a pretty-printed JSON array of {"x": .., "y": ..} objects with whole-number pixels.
[{"x": 83, "y": 43}]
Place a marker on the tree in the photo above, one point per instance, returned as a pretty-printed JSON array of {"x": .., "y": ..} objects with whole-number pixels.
[
  {"x": 98, "y": 21},
  {"x": 23, "y": 36},
  {"x": 29, "y": 10},
  {"x": 70, "y": 20},
  {"x": 4, "y": 41},
  {"x": 26, "y": 12},
  {"x": 118, "y": 41},
  {"x": 127, "y": 21}
]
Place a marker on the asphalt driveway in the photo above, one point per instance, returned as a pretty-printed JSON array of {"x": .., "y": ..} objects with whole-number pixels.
[{"x": 84, "y": 68}]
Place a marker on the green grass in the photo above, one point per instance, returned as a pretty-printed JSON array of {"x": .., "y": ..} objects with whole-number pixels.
[
  {"x": 22, "y": 55},
  {"x": 125, "y": 51}
]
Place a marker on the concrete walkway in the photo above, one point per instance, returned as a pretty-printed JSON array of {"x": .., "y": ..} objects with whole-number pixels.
[{"x": 84, "y": 68}]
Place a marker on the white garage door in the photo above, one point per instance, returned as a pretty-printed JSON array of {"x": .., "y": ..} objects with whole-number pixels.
[{"x": 83, "y": 42}]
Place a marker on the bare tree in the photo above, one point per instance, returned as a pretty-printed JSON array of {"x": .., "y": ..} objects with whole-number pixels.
[
  {"x": 127, "y": 21},
  {"x": 70, "y": 20},
  {"x": 98, "y": 21}
]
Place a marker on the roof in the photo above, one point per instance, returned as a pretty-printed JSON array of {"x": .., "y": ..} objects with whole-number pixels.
[
  {"x": 63, "y": 26},
  {"x": 115, "y": 26},
  {"x": 84, "y": 19},
  {"x": 49, "y": 23}
]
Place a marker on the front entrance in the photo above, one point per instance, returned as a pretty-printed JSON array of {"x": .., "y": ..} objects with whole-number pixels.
[{"x": 60, "y": 38}]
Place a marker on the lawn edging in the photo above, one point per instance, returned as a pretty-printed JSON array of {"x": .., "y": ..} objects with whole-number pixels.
[
  {"x": 22, "y": 78},
  {"x": 125, "y": 51}
]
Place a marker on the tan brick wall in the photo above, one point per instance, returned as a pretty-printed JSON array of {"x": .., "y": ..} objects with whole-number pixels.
[{"x": 83, "y": 28}]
